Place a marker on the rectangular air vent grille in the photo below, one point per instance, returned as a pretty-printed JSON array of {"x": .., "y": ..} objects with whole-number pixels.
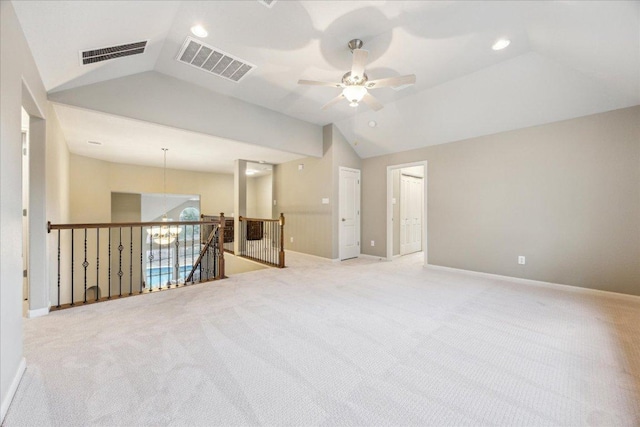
[
  {"x": 268, "y": 3},
  {"x": 106, "y": 53},
  {"x": 213, "y": 60}
]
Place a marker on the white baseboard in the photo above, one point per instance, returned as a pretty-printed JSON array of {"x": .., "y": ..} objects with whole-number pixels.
[
  {"x": 38, "y": 312},
  {"x": 12, "y": 389},
  {"x": 571, "y": 288},
  {"x": 311, "y": 255},
  {"x": 378, "y": 258}
]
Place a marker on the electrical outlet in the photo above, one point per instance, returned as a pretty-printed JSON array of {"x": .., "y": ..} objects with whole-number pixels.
[
  {"x": 373, "y": 243},
  {"x": 521, "y": 260},
  {"x": 291, "y": 239}
]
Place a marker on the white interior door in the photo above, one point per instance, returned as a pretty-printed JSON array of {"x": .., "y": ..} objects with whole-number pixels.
[
  {"x": 411, "y": 203},
  {"x": 349, "y": 229}
]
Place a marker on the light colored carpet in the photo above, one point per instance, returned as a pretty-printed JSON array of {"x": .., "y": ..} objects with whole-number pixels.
[{"x": 360, "y": 342}]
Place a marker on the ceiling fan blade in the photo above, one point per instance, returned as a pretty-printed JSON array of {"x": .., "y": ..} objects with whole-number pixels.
[
  {"x": 372, "y": 102},
  {"x": 333, "y": 101},
  {"x": 391, "y": 81},
  {"x": 317, "y": 83},
  {"x": 359, "y": 59}
]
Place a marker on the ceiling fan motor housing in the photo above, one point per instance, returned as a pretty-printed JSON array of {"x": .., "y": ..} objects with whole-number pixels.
[{"x": 347, "y": 80}]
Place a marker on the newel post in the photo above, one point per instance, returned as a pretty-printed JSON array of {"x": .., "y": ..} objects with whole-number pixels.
[
  {"x": 221, "y": 225},
  {"x": 281, "y": 254}
]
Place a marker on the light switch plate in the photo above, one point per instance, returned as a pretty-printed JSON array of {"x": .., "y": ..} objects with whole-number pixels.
[{"x": 325, "y": 201}]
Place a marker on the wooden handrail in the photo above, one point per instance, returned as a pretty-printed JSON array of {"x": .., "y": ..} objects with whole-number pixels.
[
  {"x": 126, "y": 224},
  {"x": 242, "y": 218}
]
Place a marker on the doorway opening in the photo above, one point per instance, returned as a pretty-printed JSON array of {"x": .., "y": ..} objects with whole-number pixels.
[{"x": 406, "y": 209}]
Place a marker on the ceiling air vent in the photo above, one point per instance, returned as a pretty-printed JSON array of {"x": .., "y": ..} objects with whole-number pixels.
[
  {"x": 106, "y": 53},
  {"x": 268, "y": 3},
  {"x": 213, "y": 60}
]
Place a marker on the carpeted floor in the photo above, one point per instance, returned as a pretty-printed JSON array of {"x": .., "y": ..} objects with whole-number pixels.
[{"x": 360, "y": 342}]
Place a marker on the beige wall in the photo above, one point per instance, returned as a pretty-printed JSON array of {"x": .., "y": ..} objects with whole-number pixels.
[
  {"x": 299, "y": 194},
  {"x": 92, "y": 182},
  {"x": 259, "y": 196},
  {"x": 566, "y": 195}
]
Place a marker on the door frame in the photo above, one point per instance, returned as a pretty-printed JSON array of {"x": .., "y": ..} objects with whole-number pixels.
[
  {"x": 425, "y": 181},
  {"x": 359, "y": 225}
]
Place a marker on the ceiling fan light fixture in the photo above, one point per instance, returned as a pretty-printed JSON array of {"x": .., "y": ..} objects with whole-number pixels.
[{"x": 354, "y": 94}]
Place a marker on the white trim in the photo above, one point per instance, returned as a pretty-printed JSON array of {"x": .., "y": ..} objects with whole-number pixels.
[
  {"x": 377, "y": 258},
  {"x": 12, "y": 389},
  {"x": 571, "y": 288},
  {"x": 39, "y": 312},
  {"x": 312, "y": 255},
  {"x": 425, "y": 182}
]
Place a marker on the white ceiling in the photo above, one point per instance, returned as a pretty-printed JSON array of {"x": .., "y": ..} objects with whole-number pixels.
[
  {"x": 566, "y": 58},
  {"x": 136, "y": 142}
]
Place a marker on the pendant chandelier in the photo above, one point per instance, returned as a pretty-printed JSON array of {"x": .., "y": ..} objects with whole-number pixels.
[{"x": 165, "y": 234}]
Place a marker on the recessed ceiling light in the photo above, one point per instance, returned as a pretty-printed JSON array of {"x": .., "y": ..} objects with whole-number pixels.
[
  {"x": 94, "y": 142},
  {"x": 372, "y": 123},
  {"x": 199, "y": 31},
  {"x": 250, "y": 172},
  {"x": 501, "y": 44}
]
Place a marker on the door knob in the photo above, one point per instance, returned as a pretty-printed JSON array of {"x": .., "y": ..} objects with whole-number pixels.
[{"x": 343, "y": 220}]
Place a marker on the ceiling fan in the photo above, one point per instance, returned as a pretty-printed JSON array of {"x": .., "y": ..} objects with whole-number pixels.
[{"x": 356, "y": 84}]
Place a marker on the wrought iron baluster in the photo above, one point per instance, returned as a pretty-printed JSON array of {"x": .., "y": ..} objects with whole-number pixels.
[
  {"x": 72, "y": 263},
  {"x": 160, "y": 258},
  {"x": 215, "y": 258},
  {"x": 58, "y": 268},
  {"x": 150, "y": 269},
  {"x": 193, "y": 239},
  {"x": 120, "y": 273},
  {"x": 184, "y": 250},
  {"x": 141, "y": 250},
  {"x": 206, "y": 255},
  {"x": 177, "y": 263},
  {"x": 109, "y": 290},
  {"x": 97, "y": 263},
  {"x": 85, "y": 264},
  {"x": 130, "y": 260}
]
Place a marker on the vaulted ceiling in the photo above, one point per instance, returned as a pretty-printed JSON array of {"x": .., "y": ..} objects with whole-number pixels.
[{"x": 566, "y": 59}]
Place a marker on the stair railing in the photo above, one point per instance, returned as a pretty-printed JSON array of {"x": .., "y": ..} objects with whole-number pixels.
[
  {"x": 262, "y": 240},
  {"x": 228, "y": 230},
  {"x": 213, "y": 247},
  {"x": 102, "y": 261}
]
